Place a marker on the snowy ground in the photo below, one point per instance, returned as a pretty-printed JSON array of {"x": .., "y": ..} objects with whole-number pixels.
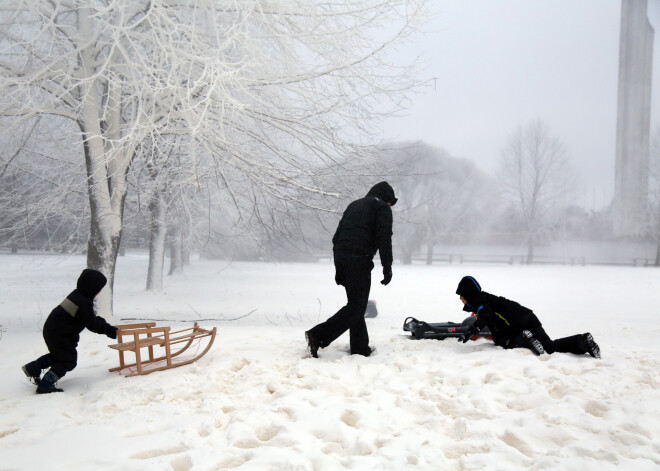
[{"x": 255, "y": 403}]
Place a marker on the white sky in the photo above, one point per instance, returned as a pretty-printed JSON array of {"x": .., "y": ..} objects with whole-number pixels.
[{"x": 498, "y": 64}]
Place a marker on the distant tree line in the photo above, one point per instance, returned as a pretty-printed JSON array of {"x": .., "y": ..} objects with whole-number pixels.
[{"x": 172, "y": 211}]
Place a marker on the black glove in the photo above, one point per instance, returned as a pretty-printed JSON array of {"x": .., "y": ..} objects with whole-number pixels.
[
  {"x": 338, "y": 279},
  {"x": 471, "y": 332},
  {"x": 112, "y": 332},
  {"x": 387, "y": 275}
]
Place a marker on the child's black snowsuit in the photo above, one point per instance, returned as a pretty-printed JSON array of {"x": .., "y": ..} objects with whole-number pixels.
[
  {"x": 64, "y": 324},
  {"x": 507, "y": 320}
]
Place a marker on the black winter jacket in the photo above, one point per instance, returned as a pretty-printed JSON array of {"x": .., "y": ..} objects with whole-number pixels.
[
  {"x": 366, "y": 226},
  {"x": 76, "y": 312},
  {"x": 504, "y": 318}
]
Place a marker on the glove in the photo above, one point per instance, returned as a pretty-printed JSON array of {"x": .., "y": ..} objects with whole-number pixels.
[
  {"x": 112, "y": 332},
  {"x": 387, "y": 275},
  {"x": 338, "y": 279},
  {"x": 471, "y": 332}
]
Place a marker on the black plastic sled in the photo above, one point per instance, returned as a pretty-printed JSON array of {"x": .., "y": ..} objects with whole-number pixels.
[{"x": 441, "y": 330}]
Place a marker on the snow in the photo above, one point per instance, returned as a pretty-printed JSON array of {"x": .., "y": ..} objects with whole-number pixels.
[{"x": 256, "y": 402}]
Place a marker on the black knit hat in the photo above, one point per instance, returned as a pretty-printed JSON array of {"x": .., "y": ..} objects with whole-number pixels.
[
  {"x": 469, "y": 288},
  {"x": 91, "y": 282}
]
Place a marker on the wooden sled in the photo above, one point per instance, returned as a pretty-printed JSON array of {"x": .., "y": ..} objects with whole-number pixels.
[{"x": 147, "y": 335}]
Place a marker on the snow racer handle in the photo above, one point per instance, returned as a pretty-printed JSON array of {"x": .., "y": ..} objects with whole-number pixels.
[{"x": 441, "y": 330}]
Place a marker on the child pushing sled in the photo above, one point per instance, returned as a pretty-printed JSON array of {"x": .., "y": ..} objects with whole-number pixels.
[
  {"x": 513, "y": 325},
  {"x": 62, "y": 332}
]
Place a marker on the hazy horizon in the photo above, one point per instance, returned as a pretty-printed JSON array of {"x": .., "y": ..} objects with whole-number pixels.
[{"x": 492, "y": 66}]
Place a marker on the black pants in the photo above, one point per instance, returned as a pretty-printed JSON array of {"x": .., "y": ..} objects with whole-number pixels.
[
  {"x": 355, "y": 274},
  {"x": 573, "y": 344},
  {"x": 63, "y": 356}
]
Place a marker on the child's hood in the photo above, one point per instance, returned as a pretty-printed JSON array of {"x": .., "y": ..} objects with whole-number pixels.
[
  {"x": 91, "y": 282},
  {"x": 470, "y": 289}
]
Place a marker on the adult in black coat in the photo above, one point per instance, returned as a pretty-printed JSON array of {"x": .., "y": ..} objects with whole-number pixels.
[
  {"x": 62, "y": 331},
  {"x": 513, "y": 325},
  {"x": 364, "y": 229}
]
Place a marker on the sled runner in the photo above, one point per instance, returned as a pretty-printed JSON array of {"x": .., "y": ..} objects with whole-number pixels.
[
  {"x": 441, "y": 330},
  {"x": 148, "y": 336}
]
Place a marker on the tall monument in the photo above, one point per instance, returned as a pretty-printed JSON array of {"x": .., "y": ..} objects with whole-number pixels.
[{"x": 633, "y": 119}]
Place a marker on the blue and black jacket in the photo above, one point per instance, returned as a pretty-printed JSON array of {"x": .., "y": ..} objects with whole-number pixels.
[{"x": 504, "y": 318}]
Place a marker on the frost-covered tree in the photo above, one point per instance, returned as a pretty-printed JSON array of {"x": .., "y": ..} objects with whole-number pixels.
[
  {"x": 415, "y": 170},
  {"x": 42, "y": 189},
  {"x": 536, "y": 175},
  {"x": 442, "y": 198},
  {"x": 160, "y": 169},
  {"x": 263, "y": 86}
]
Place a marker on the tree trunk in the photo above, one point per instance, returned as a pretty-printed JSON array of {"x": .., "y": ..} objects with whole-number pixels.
[
  {"x": 429, "y": 253},
  {"x": 102, "y": 250},
  {"x": 406, "y": 259},
  {"x": 106, "y": 186},
  {"x": 176, "y": 253},
  {"x": 157, "y": 233},
  {"x": 657, "y": 255},
  {"x": 530, "y": 252}
]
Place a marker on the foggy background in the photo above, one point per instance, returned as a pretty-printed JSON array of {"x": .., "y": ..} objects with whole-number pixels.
[
  {"x": 494, "y": 65},
  {"x": 436, "y": 97}
]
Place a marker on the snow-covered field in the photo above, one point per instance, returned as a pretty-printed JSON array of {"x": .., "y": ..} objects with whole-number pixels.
[{"x": 255, "y": 402}]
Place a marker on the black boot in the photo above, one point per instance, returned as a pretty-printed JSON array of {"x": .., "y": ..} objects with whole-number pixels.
[
  {"x": 32, "y": 371},
  {"x": 47, "y": 384},
  {"x": 532, "y": 343},
  {"x": 312, "y": 344},
  {"x": 365, "y": 353},
  {"x": 578, "y": 345},
  {"x": 590, "y": 345}
]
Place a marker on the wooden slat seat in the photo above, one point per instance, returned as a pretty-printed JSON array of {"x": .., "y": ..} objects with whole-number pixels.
[{"x": 142, "y": 343}]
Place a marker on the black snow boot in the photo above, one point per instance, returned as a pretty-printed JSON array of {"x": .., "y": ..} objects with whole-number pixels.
[
  {"x": 47, "y": 384},
  {"x": 590, "y": 345},
  {"x": 365, "y": 353},
  {"x": 532, "y": 343},
  {"x": 32, "y": 371},
  {"x": 312, "y": 344}
]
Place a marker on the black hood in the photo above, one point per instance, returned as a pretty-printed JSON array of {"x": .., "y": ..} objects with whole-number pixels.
[
  {"x": 470, "y": 289},
  {"x": 383, "y": 191},
  {"x": 91, "y": 282}
]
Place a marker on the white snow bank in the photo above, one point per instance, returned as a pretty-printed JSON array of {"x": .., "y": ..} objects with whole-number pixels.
[{"x": 254, "y": 402}]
